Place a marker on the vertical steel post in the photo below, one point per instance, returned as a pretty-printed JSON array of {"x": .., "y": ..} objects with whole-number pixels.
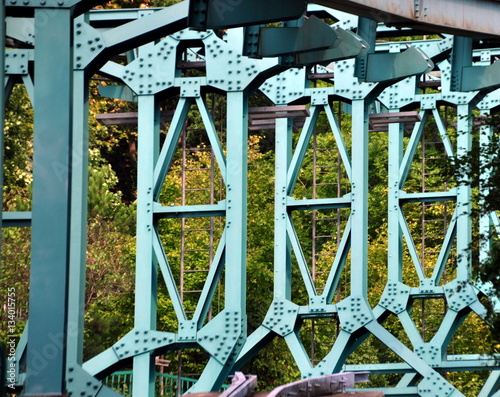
[
  {"x": 395, "y": 243},
  {"x": 236, "y": 215},
  {"x": 78, "y": 238},
  {"x": 51, "y": 203},
  {"x": 367, "y": 30},
  {"x": 485, "y": 140},
  {"x": 146, "y": 266},
  {"x": 282, "y": 254},
  {"x": 236, "y": 241},
  {"x": 359, "y": 234},
  {"x": 460, "y": 57},
  {"x": 464, "y": 196}
]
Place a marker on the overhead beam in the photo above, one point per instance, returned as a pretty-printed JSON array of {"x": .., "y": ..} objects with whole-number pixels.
[
  {"x": 465, "y": 17},
  {"x": 150, "y": 27},
  {"x": 216, "y": 14}
]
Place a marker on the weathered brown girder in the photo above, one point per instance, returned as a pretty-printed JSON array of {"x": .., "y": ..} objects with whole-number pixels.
[{"x": 464, "y": 17}]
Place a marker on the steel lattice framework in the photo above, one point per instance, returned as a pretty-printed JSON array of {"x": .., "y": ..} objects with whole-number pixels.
[{"x": 367, "y": 76}]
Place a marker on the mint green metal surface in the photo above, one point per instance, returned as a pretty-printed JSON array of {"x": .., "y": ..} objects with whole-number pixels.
[
  {"x": 146, "y": 263},
  {"x": 311, "y": 35},
  {"x": 78, "y": 251},
  {"x": 388, "y": 78}
]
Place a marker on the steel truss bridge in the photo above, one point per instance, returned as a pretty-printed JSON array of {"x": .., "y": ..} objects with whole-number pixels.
[{"x": 65, "y": 43}]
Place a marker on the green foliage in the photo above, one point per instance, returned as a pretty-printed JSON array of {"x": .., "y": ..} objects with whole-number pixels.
[
  {"x": 110, "y": 284},
  {"x": 18, "y": 142},
  {"x": 14, "y": 274},
  {"x": 117, "y": 145},
  {"x": 111, "y": 241},
  {"x": 110, "y": 260},
  {"x": 480, "y": 169}
]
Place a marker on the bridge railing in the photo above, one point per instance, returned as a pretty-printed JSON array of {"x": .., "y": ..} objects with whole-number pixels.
[{"x": 166, "y": 385}]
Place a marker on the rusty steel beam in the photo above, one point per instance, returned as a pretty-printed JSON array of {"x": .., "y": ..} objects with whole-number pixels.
[{"x": 463, "y": 17}]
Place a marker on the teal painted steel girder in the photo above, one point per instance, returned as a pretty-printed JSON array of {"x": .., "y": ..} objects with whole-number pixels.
[
  {"x": 190, "y": 331},
  {"x": 427, "y": 289},
  {"x": 94, "y": 48},
  {"x": 145, "y": 313},
  {"x": 78, "y": 211},
  {"x": 210, "y": 14},
  {"x": 16, "y": 219},
  {"x": 51, "y": 201}
]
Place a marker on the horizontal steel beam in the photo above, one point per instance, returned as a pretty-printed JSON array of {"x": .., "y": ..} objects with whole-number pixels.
[
  {"x": 319, "y": 204},
  {"x": 190, "y": 211},
  {"x": 241, "y": 385},
  {"x": 454, "y": 363},
  {"x": 16, "y": 219},
  {"x": 428, "y": 197},
  {"x": 465, "y": 17}
]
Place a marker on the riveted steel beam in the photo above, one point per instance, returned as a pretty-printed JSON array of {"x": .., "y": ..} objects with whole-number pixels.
[
  {"x": 16, "y": 219},
  {"x": 228, "y": 71},
  {"x": 2, "y": 101},
  {"x": 222, "y": 14}
]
